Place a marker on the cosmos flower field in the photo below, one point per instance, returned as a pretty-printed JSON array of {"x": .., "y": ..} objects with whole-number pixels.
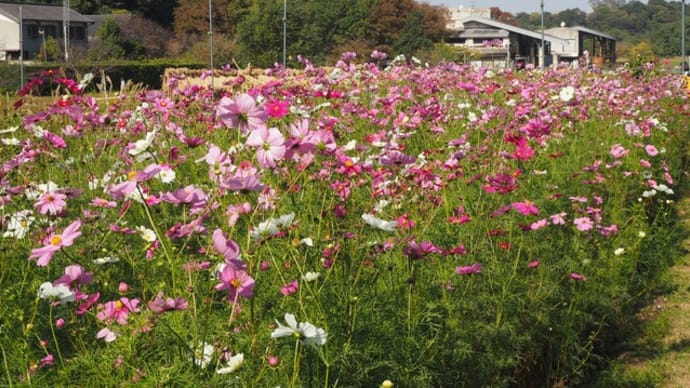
[{"x": 349, "y": 226}]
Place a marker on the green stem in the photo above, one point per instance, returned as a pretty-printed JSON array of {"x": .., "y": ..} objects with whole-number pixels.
[
  {"x": 52, "y": 330},
  {"x": 295, "y": 365}
]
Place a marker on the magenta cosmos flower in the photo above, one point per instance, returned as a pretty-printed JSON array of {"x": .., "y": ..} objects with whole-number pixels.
[
  {"x": 55, "y": 242},
  {"x": 269, "y": 144},
  {"x": 118, "y": 310},
  {"x": 469, "y": 269},
  {"x": 241, "y": 113}
]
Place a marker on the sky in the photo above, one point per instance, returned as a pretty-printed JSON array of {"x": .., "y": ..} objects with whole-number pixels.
[{"x": 515, "y": 6}]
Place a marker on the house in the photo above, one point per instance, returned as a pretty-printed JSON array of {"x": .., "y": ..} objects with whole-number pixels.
[
  {"x": 38, "y": 21},
  {"x": 489, "y": 42},
  {"x": 497, "y": 44},
  {"x": 601, "y": 48}
]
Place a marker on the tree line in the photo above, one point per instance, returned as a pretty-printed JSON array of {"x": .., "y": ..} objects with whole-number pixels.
[{"x": 251, "y": 31}]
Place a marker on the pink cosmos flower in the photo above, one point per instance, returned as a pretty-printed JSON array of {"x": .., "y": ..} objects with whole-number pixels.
[
  {"x": 121, "y": 190},
  {"x": 236, "y": 281},
  {"x": 241, "y": 113},
  {"x": 578, "y": 277},
  {"x": 583, "y": 223},
  {"x": 228, "y": 249},
  {"x": 277, "y": 108},
  {"x": 557, "y": 219},
  {"x": 269, "y": 144},
  {"x": 526, "y": 208},
  {"x": 100, "y": 202},
  {"x": 469, "y": 269},
  {"x": 51, "y": 202},
  {"x": 190, "y": 195},
  {"x": 651, "y": 150},
  {"x": 106, "y": 334},
  {"x": 75, "y": 273},
  {"x": 159, "y": 305},
  {"x": 501, "y": 184},
  {"x": 645, "y": 163},
  {"x": 118, "y": 310},
  {"x": 533, "y": 264},
  {"x": 55, "y": 242},
  {"x": 539, "y": 224},
  {"x": 420, "y": 250},
  {"x": 618, "y": 151},
  {"x": 289, "y": 288}
]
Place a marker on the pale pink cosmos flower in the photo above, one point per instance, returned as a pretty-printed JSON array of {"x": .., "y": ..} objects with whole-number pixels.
[
  {"x": 51, "y": 202},
  {"x": 228, "y": 249},
  {"x": 236, "y": 281},
  {"x": 159, "y": 305},
  {"x": 106, "y": 334},
  {"x": 618, "y": 151},
  {"x": 651, "y": 150},
  {"x": 558, "y": 219},
  {"x": 290, "y": 288},
  {"x": 55, "y": 242},
  {"x": 269, "y": 144},
  {"x": 241, "y": 113},
  {"x": 578, "y": 277},
  {"x": 75, "y": 273},
  {"x": 583, "y": 223},
  {"x": 539, "y": 224}
]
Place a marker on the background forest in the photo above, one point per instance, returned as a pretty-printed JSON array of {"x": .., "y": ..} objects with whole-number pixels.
[{"x": 251, "y": 31}]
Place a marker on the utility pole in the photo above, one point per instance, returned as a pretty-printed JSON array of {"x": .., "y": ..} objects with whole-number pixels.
[
  {"x": 682, "y": 38},
  {"x": 210, "y": 37},
  {"x": 65, "y": 26},
  {"x": 284, "y": 30},
  {"x": 543, "y": 47},
  {"x": 21, "y": 48}
]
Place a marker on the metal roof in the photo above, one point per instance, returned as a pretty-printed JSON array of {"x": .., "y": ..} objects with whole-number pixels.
[
  {"x": 517, "y": 30},
  {"x": 592, "y": 32},
  {"x": 40, "y": 12}
]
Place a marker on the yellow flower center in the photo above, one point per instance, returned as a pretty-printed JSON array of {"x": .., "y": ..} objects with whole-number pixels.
[
  {"x": 56, "y": 240},
  {"x": 119, "y": 305},
  {"x": 132, "y": 175},
  {"x": 235, "y": 282}
]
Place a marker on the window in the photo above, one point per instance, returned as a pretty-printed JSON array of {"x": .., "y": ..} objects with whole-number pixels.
[
  {"x": 77, "y": 32},
  {"x": 32, "y": 31}
]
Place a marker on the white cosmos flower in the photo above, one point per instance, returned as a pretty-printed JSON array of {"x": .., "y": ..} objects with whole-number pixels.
[
  {"x": 649, "y": 193},
  {"x": 146, "y": 233},
  {"x": 18, "y": 224},
  {"x": 106, "y": 259},
  {"x": 619, "y": 251},
  {"x": 388, "y": 226},
  {"x": 567, "y": 93},
  {"x": 140, "y": 146},
  {"x": 203, "y": 354},
  {"x": 60, "y": 292},
  {"x": 304, "y": 331},
  {"x": 663, "y": 188},
  {"x": 310, "y": 276},
  {"x": 10, "y": 141},
  {"x": 272, "y": 226},
  {"x": 308, "y": 241},
  {"x": 166, "y": 175},
  {"x": 233, "y": 363}
]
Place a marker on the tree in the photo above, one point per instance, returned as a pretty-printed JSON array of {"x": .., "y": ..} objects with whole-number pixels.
[
  {"x": 109, "y": 43},
  {"x": 191, "y": 20},
  {"x": 386, "y": 21},
  {"x": 607, "y": 3},
  {"x": 412, "y": 37}
]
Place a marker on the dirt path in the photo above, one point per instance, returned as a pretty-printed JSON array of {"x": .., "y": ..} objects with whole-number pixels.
[{"x": 660, "y": 357}]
